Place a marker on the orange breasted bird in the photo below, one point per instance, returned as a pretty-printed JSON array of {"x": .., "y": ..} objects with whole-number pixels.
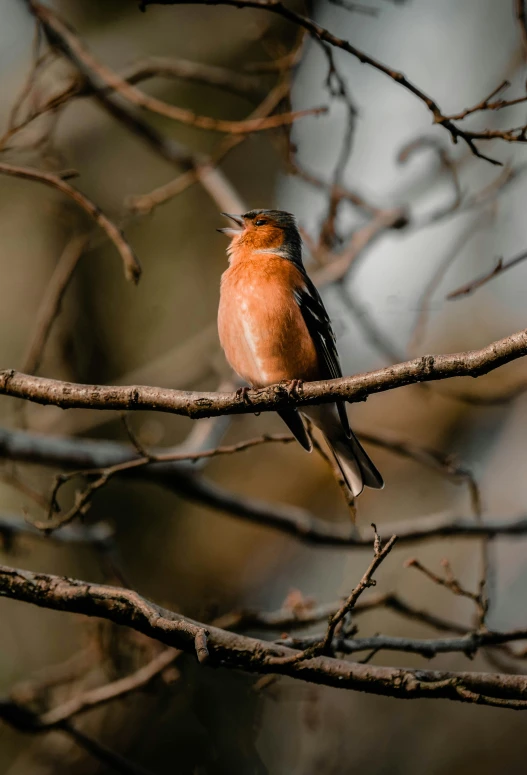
[{"x": 273, "y": 327}]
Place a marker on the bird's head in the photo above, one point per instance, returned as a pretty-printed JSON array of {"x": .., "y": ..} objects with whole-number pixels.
[{"x": 264, "y": 231}]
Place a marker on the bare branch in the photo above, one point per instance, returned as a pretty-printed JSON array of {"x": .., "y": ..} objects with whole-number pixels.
[
  {"x": 419, "y": 329},
  {"x": 428, "y": 368},
  {"x": 99, "y": 535},
  {"x": 50, "y": 304},
  {"x": 204, "y": 169},
  {"x": 92, "y": 698},
  {"x": 149, "y": 67},
  {"x": 103, "y": 475},
  {"x": 132, "y": 267},
  {"x": 486, "y": 103},
  {"x": 300, "y": 523},
  {"x": 367, "y": 10},
  {"x": 336, "y": 191},
  {"x": 198, "y": 72},
  {"x": 447, "y": 164},
  {"x": 468, "y": 644},
  {"x": 445, "y": 465},
  {"x": 25, "y": 720},
  {"x": 103, "y": 753},
  {"x": 384, "y": 220},
  {"x": 379, "y": 554},
  {"x": 92, "y": 69},
  {"x": 500, "y": 267},
  {"x": 232, "y": 650},
  {"x": 306, "y": 613},
  {"x": 323, "y": 36},
  {"x": 521, "y": 15},
  {"x": 449, "y": 581}
]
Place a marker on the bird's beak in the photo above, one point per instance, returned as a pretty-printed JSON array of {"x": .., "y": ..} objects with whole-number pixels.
[{"x": 229, "y": 231}]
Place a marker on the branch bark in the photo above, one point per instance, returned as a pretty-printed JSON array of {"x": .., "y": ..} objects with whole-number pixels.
[
  {"x": 228, "y": 649},
  {"x": 427, "y": 368}
]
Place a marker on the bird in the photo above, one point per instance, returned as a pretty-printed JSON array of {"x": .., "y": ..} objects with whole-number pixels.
[{"x": 273, "y": 328}]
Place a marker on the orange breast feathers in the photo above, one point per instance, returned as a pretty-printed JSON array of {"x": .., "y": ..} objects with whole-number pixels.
[{"x": 260, "y": 324}]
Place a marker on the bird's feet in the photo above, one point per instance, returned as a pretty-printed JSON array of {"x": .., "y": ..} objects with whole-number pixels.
[
  {"x": 294, "y": 387},
  {"x": 243, "y": 394}
]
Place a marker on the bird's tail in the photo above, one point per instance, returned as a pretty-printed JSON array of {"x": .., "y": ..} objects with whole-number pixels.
[{"x": 356, "y": 467}]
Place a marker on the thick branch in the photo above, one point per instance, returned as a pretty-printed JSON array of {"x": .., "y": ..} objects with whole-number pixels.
[
  {"x": 127, "y": 608},
  {"x": 428, "y": 368}
]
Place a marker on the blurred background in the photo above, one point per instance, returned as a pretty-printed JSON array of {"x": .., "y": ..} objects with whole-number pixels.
[{"x": 462, "y": 214}]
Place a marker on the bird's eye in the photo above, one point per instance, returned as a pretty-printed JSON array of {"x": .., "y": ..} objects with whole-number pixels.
[{"x": 260, "y": 222}]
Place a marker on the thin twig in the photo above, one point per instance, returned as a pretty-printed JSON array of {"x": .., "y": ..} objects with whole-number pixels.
[
  {"x": 331, "y": 460},
  {"x": 51, "y": 302},
  {"x": 487, "y": 104},
  {"x": 367, "y": 10},
  {"x": 450, "y": 582},
  {"x": 500, "y": 267},
  {"x": 204, "y": 170},
  {"x": 83, "y": 498},
  {"x": 379, "y": 554},
  {"x": 324, "y": 37},
  {"x": 447, "y": 164},
  {"x": 143, "y": 69},
  {"x": 132, "y": 267},
  {"x": 305, "y": 613},
  {"x": 101, "y": 695},
  {"x": 94, "y": 70},
  {"x": 419, "y": 329}
]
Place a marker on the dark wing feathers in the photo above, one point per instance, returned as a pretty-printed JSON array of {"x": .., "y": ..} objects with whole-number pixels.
[
  {"x": 293, "y": 420},
  {"x": 319, "y": 326}
]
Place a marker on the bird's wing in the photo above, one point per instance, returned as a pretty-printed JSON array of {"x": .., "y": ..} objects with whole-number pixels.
[
  {"x": 319, "y": 326},
  {"x": 293, "y": 420}
]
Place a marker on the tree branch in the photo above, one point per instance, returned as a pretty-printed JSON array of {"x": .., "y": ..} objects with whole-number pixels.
[
  {"x": 428, "y": 368},
  {"x": 49, "y": 307},
  {"x": 337, "y": 619},
  {"x": 99, "y": 535},
  {"x": 323, "y": 36},
  {"x": 426, "y": 647},
  {"x": 232, "y": 650},
  {"x": 304, "y": 613},
  {"x": 132, "y": 267},
  {"x": 521, "y": 15},
  {"x": 66, "y": 38},
  {"x": 500, "y": 267},
  {"x": 92, "y": 698},
  {"x": 75, "y": 454}
]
